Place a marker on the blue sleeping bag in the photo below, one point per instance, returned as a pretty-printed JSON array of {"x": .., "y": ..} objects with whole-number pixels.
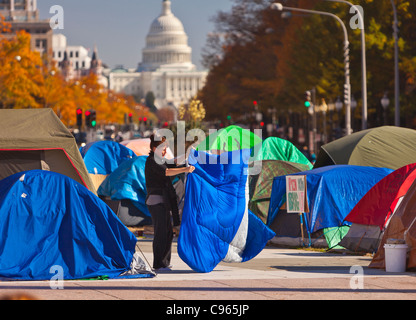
[{"x": 216, "y": 223}]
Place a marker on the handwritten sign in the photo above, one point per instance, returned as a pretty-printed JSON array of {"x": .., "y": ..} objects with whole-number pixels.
[{"x": 296, "y": 198}]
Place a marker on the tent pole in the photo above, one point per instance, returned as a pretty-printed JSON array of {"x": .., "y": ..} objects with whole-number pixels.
[
  {"x": 307, "y": 229},
  {"x": 301, "y": 227}
]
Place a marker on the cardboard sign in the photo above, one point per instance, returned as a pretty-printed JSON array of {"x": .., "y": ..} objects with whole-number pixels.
[{"x": 296, "y": 197}]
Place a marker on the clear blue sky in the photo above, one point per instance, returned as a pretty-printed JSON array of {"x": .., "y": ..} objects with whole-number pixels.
[{"x": 119, "y": 27}]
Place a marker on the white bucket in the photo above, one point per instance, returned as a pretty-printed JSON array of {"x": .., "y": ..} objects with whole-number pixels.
[{"x": 395, "y": 257}]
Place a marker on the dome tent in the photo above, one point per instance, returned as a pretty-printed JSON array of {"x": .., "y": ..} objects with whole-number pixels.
[
  {"x": 371, "y": 216},
  {"x": 230, "y": 139},
  {"x": 274, "y": 148},
  {"x": 383, "y": 147},
  {"x": 36, "y": 139},
  {"x": 103, "y": 157},
  {"x": 48, "y": 219}
]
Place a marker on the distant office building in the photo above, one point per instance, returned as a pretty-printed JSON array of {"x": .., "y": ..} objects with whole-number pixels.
[
  {"x": 24, "y": 15},
  {"x": 75, "y": 62},
  {"x": 166, "y": 69}
]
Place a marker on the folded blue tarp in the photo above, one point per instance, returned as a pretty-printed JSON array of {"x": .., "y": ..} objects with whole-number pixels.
[
  {"x": 127, "y": 182},
  {"x": 49, "y": 220},
  {"x": 103, "y": 157},
  {"x": 332, "y": 192},
  {"x": 216, "y": 223}
]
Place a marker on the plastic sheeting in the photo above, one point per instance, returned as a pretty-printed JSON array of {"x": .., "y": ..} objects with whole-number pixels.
[
  {"x": 103, "y": 157},
  {"x": 49, "y": 220},
  {"x": 379, "y": 203},
  {"x": 332, "y": 192},
  {"x": 216, "y": 223},
  {"x": 128, "y": 181}
]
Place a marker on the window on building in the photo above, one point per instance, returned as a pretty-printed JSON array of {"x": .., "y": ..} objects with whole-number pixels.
[
  {"x": 4, "y": 4},
  {"x": 19, "y": 4}
]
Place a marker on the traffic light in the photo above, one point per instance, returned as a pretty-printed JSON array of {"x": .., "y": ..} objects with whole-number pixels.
[
  {"x": 145, "y": 121},
  {"x": 79, "y": 117},
  {"x": 130, "y": 118},
  {"x": 88, "y": 119},
  {"x": 308, "y": 99},
  {"x": 262, "y": 124},
  {"x": 93, "y": 118}
]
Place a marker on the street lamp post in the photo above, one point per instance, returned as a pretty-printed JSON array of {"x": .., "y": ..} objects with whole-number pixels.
[
  {"x": 396, "y": 67},
  {"x": 347, "y": 85},
  {"x": 363, "y": 64},
  {"x": 353, "y": 106},
  {"x": 385, "y": 102}
]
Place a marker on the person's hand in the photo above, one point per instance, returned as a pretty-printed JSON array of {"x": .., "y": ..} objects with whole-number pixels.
[{"x": 191, "y": 169}]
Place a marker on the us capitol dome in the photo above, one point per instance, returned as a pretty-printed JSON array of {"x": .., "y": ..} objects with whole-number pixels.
[{"x": 166, "y": 69}]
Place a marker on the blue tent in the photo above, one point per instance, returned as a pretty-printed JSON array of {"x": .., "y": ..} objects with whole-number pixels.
[
  {"x": 332, "y": 192},
  {"x": 49, "y": 220},
  {"x": 103, "y": 157},
  {"x": 216, "y": 223},
  {"x": 127, "y": 182}
]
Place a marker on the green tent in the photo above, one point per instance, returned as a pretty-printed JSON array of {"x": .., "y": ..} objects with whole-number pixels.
[
  {"x": 383, "y": 147},
  {"x": 260, "y": 185},
  {"x": 230, "y": 139},
  {"x": 274, "y": 148}
]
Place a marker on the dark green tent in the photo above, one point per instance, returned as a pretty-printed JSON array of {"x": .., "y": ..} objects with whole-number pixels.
[
  {"x": 261, "y": 185},
  {"x": 382, "y": 147}
]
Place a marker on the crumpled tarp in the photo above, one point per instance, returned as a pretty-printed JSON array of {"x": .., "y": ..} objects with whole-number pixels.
[
  {"x": 128, "y": 181},
  {"x": 332, "y": 192}
]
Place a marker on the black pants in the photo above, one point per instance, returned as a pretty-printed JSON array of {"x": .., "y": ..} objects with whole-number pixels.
[{"x": 163, "y": 235}]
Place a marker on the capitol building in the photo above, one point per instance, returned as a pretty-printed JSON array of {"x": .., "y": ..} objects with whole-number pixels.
[{"x": 166, "y": 69}]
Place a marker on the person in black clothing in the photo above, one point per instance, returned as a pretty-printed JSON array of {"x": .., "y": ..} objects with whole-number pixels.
[{"x": 162, "y": 202}]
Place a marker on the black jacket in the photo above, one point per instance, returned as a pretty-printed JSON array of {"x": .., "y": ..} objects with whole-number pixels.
[{"x": 158, "y": 183}]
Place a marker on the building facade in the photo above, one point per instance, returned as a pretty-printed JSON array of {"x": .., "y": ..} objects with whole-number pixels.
[
  {"x": 75, "y": 62},
  {"x": 166, "y": 69},
  {"x": 24, "y": 15}
]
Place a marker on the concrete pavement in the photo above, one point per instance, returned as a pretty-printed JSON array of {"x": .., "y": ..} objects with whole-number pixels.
[{"x": 275, "y": 273}]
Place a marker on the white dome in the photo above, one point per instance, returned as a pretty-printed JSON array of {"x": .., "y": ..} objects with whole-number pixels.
[
  {"x": 166, "y": 22},
  {"x": 166, "y": 43}
]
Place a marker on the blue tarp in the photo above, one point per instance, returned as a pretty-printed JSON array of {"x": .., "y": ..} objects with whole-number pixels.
[
  {"x": 49, "y": 220},
  {"x": 103, "y": 157},
  {"x": 216, "y": 223},
  {"x": 127, "y": 182},
  {"x": 332, "y": 192}
]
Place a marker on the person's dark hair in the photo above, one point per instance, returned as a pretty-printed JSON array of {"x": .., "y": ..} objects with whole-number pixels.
[{"x": 155, "y": 143}]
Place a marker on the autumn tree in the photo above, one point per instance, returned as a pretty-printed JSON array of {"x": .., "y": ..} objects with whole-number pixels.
[
  {"x": 28, "y": 81},
  {"x": 257, "y": 54}
]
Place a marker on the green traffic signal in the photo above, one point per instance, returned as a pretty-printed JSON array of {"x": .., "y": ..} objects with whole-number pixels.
[{"x": 307, "y": 104}]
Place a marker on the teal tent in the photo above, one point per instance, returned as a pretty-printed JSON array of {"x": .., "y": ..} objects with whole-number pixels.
[{"x": 274, "y": 148}]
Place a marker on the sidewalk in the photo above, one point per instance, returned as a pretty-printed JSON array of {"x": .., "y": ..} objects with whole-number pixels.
[{"x": 275, "y": 273}]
